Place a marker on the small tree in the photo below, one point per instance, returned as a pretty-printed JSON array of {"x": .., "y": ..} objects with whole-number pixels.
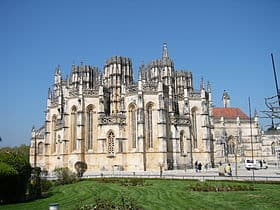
[
  {"x": 65, "y": 176},
  {"x": 81, "y": 168}
]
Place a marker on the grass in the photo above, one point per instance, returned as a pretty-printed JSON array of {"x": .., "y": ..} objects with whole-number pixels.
[{"x": 159, "y": 194}]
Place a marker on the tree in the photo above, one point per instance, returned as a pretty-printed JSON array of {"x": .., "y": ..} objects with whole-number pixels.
[{"x": 14, "y": 175}]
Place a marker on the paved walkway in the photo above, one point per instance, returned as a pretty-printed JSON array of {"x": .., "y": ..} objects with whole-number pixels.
[{"x": 270, "y": 174}]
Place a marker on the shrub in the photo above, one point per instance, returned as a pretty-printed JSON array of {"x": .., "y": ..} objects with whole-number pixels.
[
  {"x": 108, "y": 180},
  {"x": 35, "y": 190},
  {"x": 65, "y": 176},
  {"x": 207, "y": 187},
  {"x": 124, "y": 201},
  {"x": 81, "y": 168},
  {"x": 46, "y": 185},
  {"x": 132, "y": 182}
]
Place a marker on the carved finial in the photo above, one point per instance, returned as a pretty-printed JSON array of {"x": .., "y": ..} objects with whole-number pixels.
[
  {"x": 100, "y": 78},
  {"x": 58, "y": 69},
  {"x": 201, "y": 83},
  {"x": 164, "y": 51},
  {"x": 208, "y": 86}
]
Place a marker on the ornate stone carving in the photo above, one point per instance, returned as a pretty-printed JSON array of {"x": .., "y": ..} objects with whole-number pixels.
[
  {"x": 180, "y": 120},
  {"x": 112, "y": 120}
]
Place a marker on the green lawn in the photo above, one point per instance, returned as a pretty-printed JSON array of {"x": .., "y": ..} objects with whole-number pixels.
[{"x": 159, "y": 194}]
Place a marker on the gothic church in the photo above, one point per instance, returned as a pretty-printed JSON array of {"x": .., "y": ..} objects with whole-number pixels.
[{"x": 109, "y": 121}]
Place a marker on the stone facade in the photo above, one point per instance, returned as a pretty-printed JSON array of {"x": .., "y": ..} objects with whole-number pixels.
[
  {"x": 111, "y": 122},
  {"x": 235, "y": 134},
  {"x": 271, "y": 146}
]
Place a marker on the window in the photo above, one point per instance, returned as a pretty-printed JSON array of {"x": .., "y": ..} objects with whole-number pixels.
[
  {"x": 89, "y": 127},
  {"x": 150, "y": 125},
  {"x": 132, "y": 123},
  {"x": 194, "y": 127},
  {"x": 111, "y": 143},
  {"x": 54, "y": 133},
  {"x": 273, "y": 148},
  {"x": 231, "y": 146},
  {"x": 73, "y": 128},
  {"x": 40, "y": 148}
]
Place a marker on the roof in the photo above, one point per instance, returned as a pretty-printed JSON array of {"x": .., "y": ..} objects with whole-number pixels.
[{"x": 229, "y": 113}]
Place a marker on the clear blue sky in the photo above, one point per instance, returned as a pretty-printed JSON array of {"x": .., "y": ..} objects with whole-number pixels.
[{"x": 228, "y": 42}]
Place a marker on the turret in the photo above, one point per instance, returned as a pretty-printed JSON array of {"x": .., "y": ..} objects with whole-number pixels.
[
  {"x": 57, "y": 75},
  {"x": 226, "y": 99},
  {"x": 117, "y": 71},
  {"x": 164, "y": 51},
  {"x": 256, "y": 117}
]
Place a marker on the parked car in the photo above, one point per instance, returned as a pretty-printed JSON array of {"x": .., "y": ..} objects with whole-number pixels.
[{"x": 255, "y": 164}]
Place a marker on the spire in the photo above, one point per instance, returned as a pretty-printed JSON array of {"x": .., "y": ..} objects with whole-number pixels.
[
  {"x": 208, "y": 86},
  {"x": 33, "y": 132},
  {"x": 164, "y": 51},
  {"x": 201, "y": 83}
]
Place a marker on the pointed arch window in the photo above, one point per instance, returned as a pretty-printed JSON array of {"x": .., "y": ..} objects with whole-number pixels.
[
  {"x": 150, "y": 125},
  {"x": 74, "y": 128},
  {"x": 273, "y": 148},
  {"x": 111, "y": 143},
  {"x": 40, "y": 148},
  {"x": 231, "y": 146},
  {"x": 132, "y": 122},
  {"x": 54, "y": 119},
  {"x": 89, "y": 127},
  {"x": 194, "y": 126}
]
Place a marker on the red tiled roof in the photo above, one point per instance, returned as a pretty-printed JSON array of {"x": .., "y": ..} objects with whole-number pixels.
[{"x": 229, "y": 113}]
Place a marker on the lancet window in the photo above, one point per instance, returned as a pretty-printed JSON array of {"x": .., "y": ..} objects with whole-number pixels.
[
  {"x": 40, "y": 148},
  {"x": 54, "y": 119},
  {"x": 150, "y": 125},
  {"x": 89, "y": 127},
  {"x": 74, "y": 128},
  {"x": 194, "y": 126},
  {"x": 231, "y": 146},
  {"x": 132, "y": 122}
]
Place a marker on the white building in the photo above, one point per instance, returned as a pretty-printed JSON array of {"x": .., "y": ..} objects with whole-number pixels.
[{"x": 109, "y": 121}]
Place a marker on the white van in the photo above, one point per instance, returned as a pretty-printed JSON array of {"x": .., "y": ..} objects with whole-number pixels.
[{"x": 255, "y": 164}]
